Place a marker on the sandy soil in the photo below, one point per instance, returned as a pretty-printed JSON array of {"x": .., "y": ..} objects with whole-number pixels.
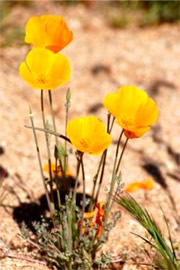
[{"x": 102, "y": 60}]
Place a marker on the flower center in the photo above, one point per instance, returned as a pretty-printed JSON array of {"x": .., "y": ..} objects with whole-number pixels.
[
  {"x": 127, "y": 122},
  {"x": 42, "y": 79},
  {"x": 84, "y": 143}
]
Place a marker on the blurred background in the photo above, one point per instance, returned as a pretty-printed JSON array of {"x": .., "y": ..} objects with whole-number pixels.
[{"x": 118, "y": 14}]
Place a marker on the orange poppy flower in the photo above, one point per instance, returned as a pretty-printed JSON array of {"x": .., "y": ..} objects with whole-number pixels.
[
  {"x": 49, "y": 32},
  {"x": 134, "y": 110},
  {"x": 44, "y": 69},
  {"x": 88, "y": 135}
]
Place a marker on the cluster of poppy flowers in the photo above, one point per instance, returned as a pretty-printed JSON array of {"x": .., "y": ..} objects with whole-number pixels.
[
  {"x": 46, "y": 69},
  {"x": 132, "y": 109}
]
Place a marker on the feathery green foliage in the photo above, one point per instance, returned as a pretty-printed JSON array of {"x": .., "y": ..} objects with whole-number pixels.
[{"x": 166, "y": 258}]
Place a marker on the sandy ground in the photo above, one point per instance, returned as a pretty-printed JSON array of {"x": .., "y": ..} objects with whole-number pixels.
[{"x": 102, "y": 59}]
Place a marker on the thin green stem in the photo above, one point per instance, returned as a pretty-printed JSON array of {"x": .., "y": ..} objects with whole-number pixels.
[
  {"x": 101, "y": 164},
  {"x": 50, "y": 132},
  {"x": 118, "y": 166},
  {"x": 40, "y": 166},
  {"x": 95, "y": 181},
  {"x": 69, "y": 224},
  {"x": 101, "y": 176},
  {"x": 59, "y": 240},
  {"x": 76, "y": 180},
  {"x": 57, "y": 187},
  {"x": 120, "y": 158},
  {"x": 112, "y": 124},
  {"x": 52, "y": 114},
  {"x": 113, "y": 180},
  {"x": 47, "y": 145},
  {"x": 63, "y": 170},
  {"x": 109, "y": 129},
  {"x": 67, "y": 105},
  {"x": 73, "y": 204},
  {"x": 84, "y": 196}
]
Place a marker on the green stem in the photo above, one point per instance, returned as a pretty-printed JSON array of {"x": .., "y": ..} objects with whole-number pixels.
[
  {"x": 59, "y": 240},
  {"x": 52, "y": 114},
  {"x": 101, "y": 164},
  {"x": 47, "y": 145},
  {"x": 120, "y": 158},
  {"x": 101, "y": 176},
  {"x": 57, "y": 187},
  {"x": 56, "y": 137},
  {"x": 73, "y": 204},
  {"x": 65, "y": 143},
  {"x": 95, "y": 181},
  {"x": 69, "y": 224},
  {"x": 113, "y": 180},
  {"x": 76, "y": 180},
  {"x": 112, "y": 124},
  {"x": 50, "y": 132},
  {"x": 84, "y": 194},
  {"x": 118, "y": 166},
  {"x": 40, "y": 166},
  {"x": 109, "y": 129}
]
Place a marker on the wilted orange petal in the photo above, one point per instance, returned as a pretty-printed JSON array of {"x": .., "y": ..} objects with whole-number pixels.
[
  {"x": 99, "y": 230},
  {"x": 147, "y": 184},
  {"x": 100, "y": 207},
  {"x": 91, "y": 224},
  {"x": 89, "y": 214},
  {"x": 83, "y": 230},
  {"x": 133, "y": 187}
]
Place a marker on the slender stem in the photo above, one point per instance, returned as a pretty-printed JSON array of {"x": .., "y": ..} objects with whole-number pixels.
[
  {"x": 84, "y": 195},
  {"x": 109, "y": 129},
  {"x": 120, "y": 158},
  {"x": 47, "y": 145},
  {"x": 73, "y": 203},
  {"x": 67, "y": 105},
  {"x": 41, "y": 167},
  {"x": 101, "y": 176},
  {"x": 113, "y": 180},
  {"x": 57, "y": 187},
  {"x": 59, "y": 240},
  {"x": 55, "y": 130},
  {"x": 101, "y": 164},
  {"x": 52, "y": 114},
  {"x": 113, "y": 173},
  {"x": 76, "y": 180},
  {"x": 69, "y": 224},
  {"x": 50, "y": 132},
  {"x": 95, "y": 181},
  {"x": 112, "y": 124},
  {"x": 108, "y": 122},
  {"x": 118, "y": 166}
]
